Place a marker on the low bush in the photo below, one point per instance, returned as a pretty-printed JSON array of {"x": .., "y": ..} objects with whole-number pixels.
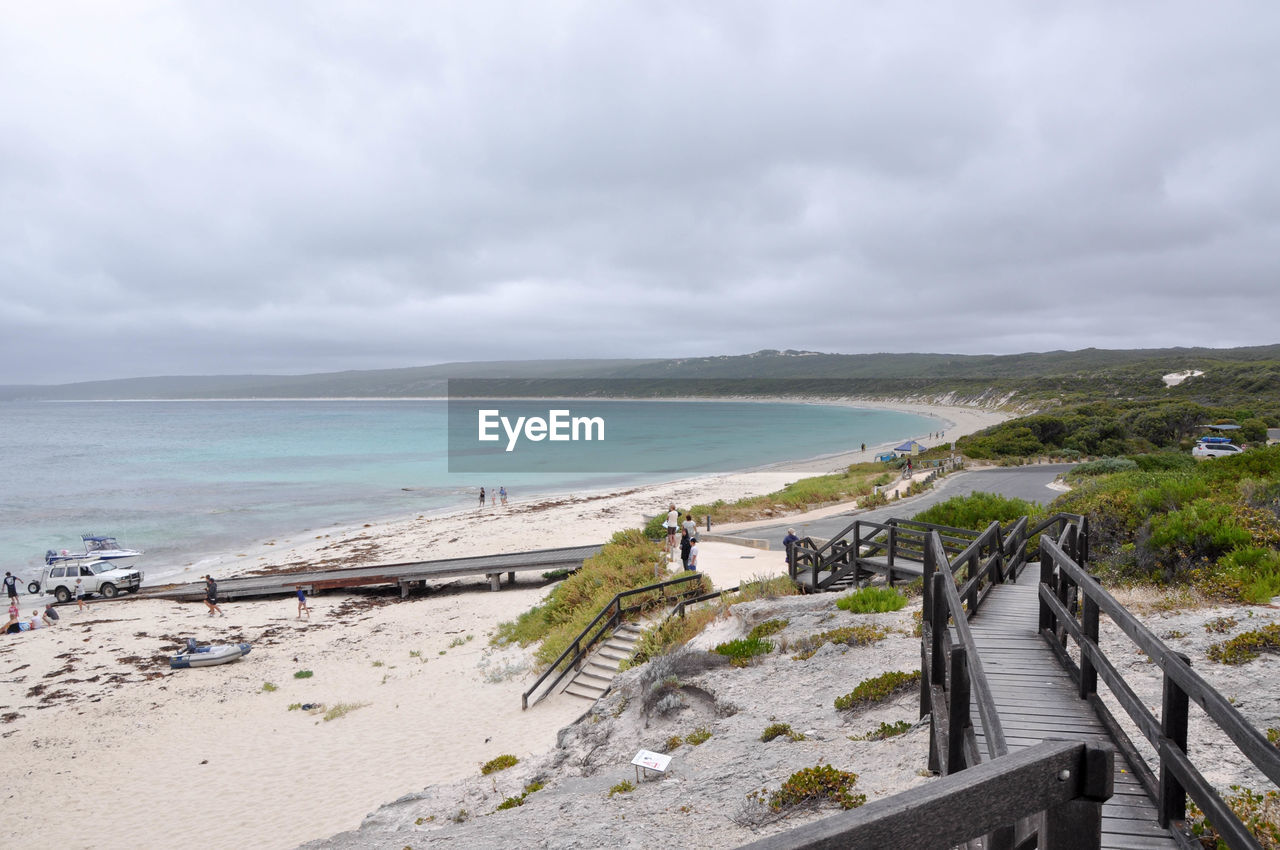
[
  {"x": 342, "y": 709},
  {"x": 978, "y": 510},
  {"x": 848, "y": 635},
  {"x": 812, "y": 786},
  {"x": 1259, "y": 812},
  {"x": 1103, "y": 466},
  {"x": 1246, "y": 646},
  {"x": 741, "y": 651},
  {"x": 884, "y": 730},
  {"x": 779, "y": 730},
  {"x": 623, "y": 787},
  {"x": 768, "y": 627},
  {"x": 871, "y": 600},
  {"x": 698, "y": 736},
  {"x": 502, "y": 762},
  {"x": 877, "y": 689}
]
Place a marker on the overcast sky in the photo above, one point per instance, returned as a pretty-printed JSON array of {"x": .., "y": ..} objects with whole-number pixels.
[{"x": 216, "y": 187}]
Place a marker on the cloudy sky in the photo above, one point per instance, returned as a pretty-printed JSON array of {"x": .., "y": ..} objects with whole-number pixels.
[{"x": 217, "y": 187}]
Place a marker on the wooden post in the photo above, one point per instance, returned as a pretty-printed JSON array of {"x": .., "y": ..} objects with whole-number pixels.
[
  {"x": 957, "y": 709},
  {"x": 1046, "y": 581},
  {"x": 495, "y": 581},
  {"x": 1077, "y": 825},
  {"x": 893, "y": 540},
  {"x": 1089, "y": 624},
  {"x": 1173, "y": 723}
]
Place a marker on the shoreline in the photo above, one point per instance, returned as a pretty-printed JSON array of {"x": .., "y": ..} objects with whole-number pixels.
[
  {"x": 224, "y": 732},
  {"x": 419, "y": 536}
]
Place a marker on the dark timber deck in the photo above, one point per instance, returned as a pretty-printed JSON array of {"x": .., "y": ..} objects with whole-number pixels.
[{"x": 1037, "y": 699}]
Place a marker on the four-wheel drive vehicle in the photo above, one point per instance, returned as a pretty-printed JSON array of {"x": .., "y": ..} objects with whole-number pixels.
[
  {"x": 1209, "y": 447},
  {"x": 100, "y": 577}
]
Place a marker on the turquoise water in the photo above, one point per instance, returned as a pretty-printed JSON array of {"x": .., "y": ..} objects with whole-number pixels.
[{"x": 183, "y": 480}]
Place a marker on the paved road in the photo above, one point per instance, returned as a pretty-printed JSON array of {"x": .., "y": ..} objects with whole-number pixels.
[{"x": 1026, "y": 482}]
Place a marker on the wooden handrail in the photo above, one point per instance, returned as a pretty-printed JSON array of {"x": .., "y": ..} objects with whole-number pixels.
[
  {"x": 580, "y": 647},
  {"x": 1066, "y": 780},
  {"x": 1178, "y": 776}
]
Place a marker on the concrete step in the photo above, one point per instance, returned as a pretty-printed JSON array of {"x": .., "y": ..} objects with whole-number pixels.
[
  {"x": 584, "y": 692},
  {"x": 618, "y": 653},
  {"x": 587, "y": 676}
]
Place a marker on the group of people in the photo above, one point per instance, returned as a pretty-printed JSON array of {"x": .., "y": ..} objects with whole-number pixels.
[
  {"x": 688, "y": 531},
  {"x": 501, "y": 494},
  {"x": 38, "y": 620}
]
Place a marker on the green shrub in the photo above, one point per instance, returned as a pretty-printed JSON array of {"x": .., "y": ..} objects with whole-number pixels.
[
  {"x": 1246, "y": 646},
  {"x": 1260, "y": 813},
  {"x": 511, "y": 803},
  {"x": 848, "y": 635},
  {"x": 698, "y": 736},
  {"x": 813, "y": 785},
  {"x": 502, "y": 762},
  {"x": 1103, "y": 466},
  {"x": 871, "y": 600},
  {"x": 768, "y": 627},
  {"x": 623, "y": 787},
  {"x": 978, "y": 510},
  {"x": 878, "y": 689},
  {"x": 303, "y": 674},
  {"x": 884, "y": 730},
  {"x": 1163, "y": 461},
  {"x": 777, "y": 730},
  {"x": 741, "y": 651},
  {"x": 342, "y": 709},
  {"x": 1252, "y": 573},
  {"x": 268, "y": 687}
]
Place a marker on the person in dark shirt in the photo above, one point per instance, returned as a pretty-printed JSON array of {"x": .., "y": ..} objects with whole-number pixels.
[
  {"x": 788, "y": 542},
  {"x": 211, "y": 596}
]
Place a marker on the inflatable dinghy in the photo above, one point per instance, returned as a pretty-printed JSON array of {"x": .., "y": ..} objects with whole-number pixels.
[{"x": 207, "y": 656}]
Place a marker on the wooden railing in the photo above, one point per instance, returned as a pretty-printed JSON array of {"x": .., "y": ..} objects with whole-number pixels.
[
  {"x": 1067, "y": 592},
  {"x": 1060, "y": 785},
  {"x": 605, "y": 622}
]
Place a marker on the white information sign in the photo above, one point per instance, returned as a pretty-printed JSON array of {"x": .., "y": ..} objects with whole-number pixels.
[{"x": 651, "y": 761}]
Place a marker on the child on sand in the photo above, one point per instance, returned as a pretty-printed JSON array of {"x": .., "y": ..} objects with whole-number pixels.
[
  {"x": 302, "y": 604},
  {"x": 79, "y": 595}
]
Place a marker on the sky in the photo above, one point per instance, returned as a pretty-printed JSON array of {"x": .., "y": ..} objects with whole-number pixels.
[{"x": 238, "y": 187}]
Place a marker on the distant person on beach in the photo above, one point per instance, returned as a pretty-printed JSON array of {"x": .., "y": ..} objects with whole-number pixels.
[
  {"x": 11, "y": 585},
  {"x": 693, "y": 555},
  {"x": 502, "y": 493},
  {"x": 211, "y": 596},
  {"x": 864, "y": 447},
  {"x": 79, "y": 595},
  {"x": 482, "y": 497},
  {"x": 13, "y": 610},
  {"x": 51, "y": 613},
  {"x": 788, "y": 542},
  {"x": 38, "y": 621},
  {"x": 690, "y": 527},
  {"x": 686, "y": 546},
  {"x": 673, "y": 522},
  {"x": 302, "y": 604}
]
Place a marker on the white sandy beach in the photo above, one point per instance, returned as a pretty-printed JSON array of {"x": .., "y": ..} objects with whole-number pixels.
[{"x": 209, "y": 758}]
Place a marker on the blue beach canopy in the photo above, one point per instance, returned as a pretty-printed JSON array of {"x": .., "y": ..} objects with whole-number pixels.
[{"x": 910, "y": 446}]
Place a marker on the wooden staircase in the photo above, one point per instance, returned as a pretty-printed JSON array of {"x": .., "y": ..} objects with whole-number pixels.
[{"x": 596, "y": 676}]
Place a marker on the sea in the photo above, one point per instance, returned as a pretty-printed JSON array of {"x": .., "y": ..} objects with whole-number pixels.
[{"x": 186, "y": 480}]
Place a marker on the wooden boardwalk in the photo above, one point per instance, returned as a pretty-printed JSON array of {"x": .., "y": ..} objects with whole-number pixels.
[
  {"x": 1037, "y": 699},
  {"x": 405, "y": 575}
]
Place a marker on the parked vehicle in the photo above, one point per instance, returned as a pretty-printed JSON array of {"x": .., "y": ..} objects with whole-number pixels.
[
  {"x": 101, "y": 577},
  {"x": 1211, "y": 447}
]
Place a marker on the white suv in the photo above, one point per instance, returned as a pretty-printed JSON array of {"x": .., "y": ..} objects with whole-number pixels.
[
  {"x": 1214, "y": 448},
  {"x": 101, "y": 577}
]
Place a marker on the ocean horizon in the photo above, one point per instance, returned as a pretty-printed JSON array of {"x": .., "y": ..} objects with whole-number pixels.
[{"x": 185, "y": 480}]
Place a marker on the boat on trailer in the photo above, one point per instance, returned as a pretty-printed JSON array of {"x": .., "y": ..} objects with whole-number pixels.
[
  {"x": 208, "y": 656},
  {"x": 97, "y": 547}
]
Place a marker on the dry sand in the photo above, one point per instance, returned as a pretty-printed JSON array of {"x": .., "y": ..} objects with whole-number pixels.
[{"x": 209, "y": 758}]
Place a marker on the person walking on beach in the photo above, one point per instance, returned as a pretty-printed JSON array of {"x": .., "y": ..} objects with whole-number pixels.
[
  {"x": 673, "y": 522},
  {"x": 482, "y": 497},
  {"x": 686, "y": 546},
  {"x": 502, "y": 493},
  {"x": 11, "y": 585},
  {"x": 788, "y": 542},
  {"x": 693, "y": 555},
  {"x": 302, "y": 604},
  {"x": 79, "y": 595},
  {"x": 211, "y": 596},
  {"x": 864, "y": 447}
]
